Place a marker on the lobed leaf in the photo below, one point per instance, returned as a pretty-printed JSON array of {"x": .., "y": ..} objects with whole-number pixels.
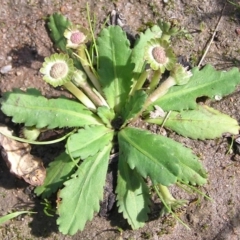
[
  {"x": 89, "y": 141},
  {"x": 206, "y": 82},
  {"x": 132, "y": 195},
  {"x": 57, "y": 25},
  {"x": 201, "y": 123},
  {"x": 134, "y": 105},
  {"x": 115, "y": 69},
  {"x": 150, "y": 154},
  {"x": 57, "y": 173},
  {"x": 81, "y": 194},
  {"x": 32, "y": 109},
  {"x": 191, "y": 169}
]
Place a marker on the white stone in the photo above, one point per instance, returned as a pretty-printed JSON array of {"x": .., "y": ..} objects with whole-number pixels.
[{"x": 6, "y": 69}]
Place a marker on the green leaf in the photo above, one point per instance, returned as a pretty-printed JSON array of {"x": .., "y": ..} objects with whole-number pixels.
[
  {"x": 57, "y": 25},
  {"x": 12, "y": 215},
  {"x": 81, "y": 194},
  {"x": 191, "y": 169},
  {"x": 132, "y": 195},
  {"x": 202, "y": 123},
  {"x": 206, "y": 82},
  {"x": 115, "y": 69},
  {"x": 150, "y": 154},
  {"x": 134, "y": 105},
  {"x": 32, "y": 109},
  {"x": 106, "y": 115},
  {"x": 139, "y": 48},
  {"x": 57, "y": 173},
  {"x": 87, "y": 142}
]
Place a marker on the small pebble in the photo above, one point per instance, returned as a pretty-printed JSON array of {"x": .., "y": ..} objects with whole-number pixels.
[
  {"x": 18, "y": 73},
  {"x": 9, "y": 58},
  {"x": 6, "y": 69},
  {"x": 237, "y": 30},
  {"x": 218, "y": 97}
]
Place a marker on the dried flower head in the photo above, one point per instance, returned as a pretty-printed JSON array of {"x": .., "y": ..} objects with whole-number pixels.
[
  {"x": 76, "y": 36},
  {"x": 160, "y": 55},
  {"x": 57, "y": 69},
  {"x": 180, "y": 74}
]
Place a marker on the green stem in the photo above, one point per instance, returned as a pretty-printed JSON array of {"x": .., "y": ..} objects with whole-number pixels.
[
  {"x": 164, "y": 194},
  {"x": 92, "y": 33},
  {"x": 103, "y": 101},
  {"x": 92, "y": 95},
  {"x": 86, "y": 66},
  {"x": 79, "y": 78},
  {"x": 194, "y": 189},
  {"x": 155, "y": 80},
  {"x": 70, "y": 155},
  {"x": 160, "y": 91},
  {"x": 141, "y": 80},
  {"x": 231, "y": 146},
  {"x": 80, "y": 95},
  {"x": 37, "y": 142},
  {"x": 165, "y": 37}
]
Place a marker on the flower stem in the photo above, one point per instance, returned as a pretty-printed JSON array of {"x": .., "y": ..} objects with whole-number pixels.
[
  {"x": 86, "y": 66},
  {"x": 79, "y": 79},
  {"x": 141, "y": 80},
  {"x": 155, "y": 80},
  {"x": 103, "y": 101},
  {"x": 80, "y": 95},
  {"x": 165, "y": 37},
  {"x": 92, "y": 95},
  {"x": 160, "y": 91}
]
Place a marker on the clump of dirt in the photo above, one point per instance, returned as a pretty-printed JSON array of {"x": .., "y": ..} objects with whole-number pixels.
[{"x": 24, "y": 42}]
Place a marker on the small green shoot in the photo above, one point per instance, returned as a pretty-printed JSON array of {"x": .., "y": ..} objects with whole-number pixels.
[
  {"x": 48, "y": 208},
  {"x": 10, "y": 216},
  {"x": 234, "y": 4}
]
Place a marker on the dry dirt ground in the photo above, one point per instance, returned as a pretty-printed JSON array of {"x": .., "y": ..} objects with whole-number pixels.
[{"x": 24, "y": 43}]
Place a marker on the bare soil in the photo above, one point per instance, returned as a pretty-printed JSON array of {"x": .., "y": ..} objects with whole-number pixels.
[{"x": 24, "y": 43}]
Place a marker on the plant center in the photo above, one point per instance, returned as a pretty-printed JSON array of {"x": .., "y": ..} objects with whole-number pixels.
[
  {"x": 59, "y": 70},
  {"x": 159, "y": 55},
  {"x": 77, "y": 37}
]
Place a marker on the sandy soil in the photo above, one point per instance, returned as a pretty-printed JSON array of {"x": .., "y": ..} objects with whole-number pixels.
[{"x": 24, "y": 43}]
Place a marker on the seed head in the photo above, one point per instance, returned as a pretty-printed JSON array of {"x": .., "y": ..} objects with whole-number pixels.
[
  {"x": 76, "y": 36},
  {"x": 160, "y": 55},
  {"x": 57, "y": 69}
]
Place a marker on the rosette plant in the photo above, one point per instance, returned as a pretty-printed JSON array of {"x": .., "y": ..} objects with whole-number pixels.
[{"x": 116, "y": 90}]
